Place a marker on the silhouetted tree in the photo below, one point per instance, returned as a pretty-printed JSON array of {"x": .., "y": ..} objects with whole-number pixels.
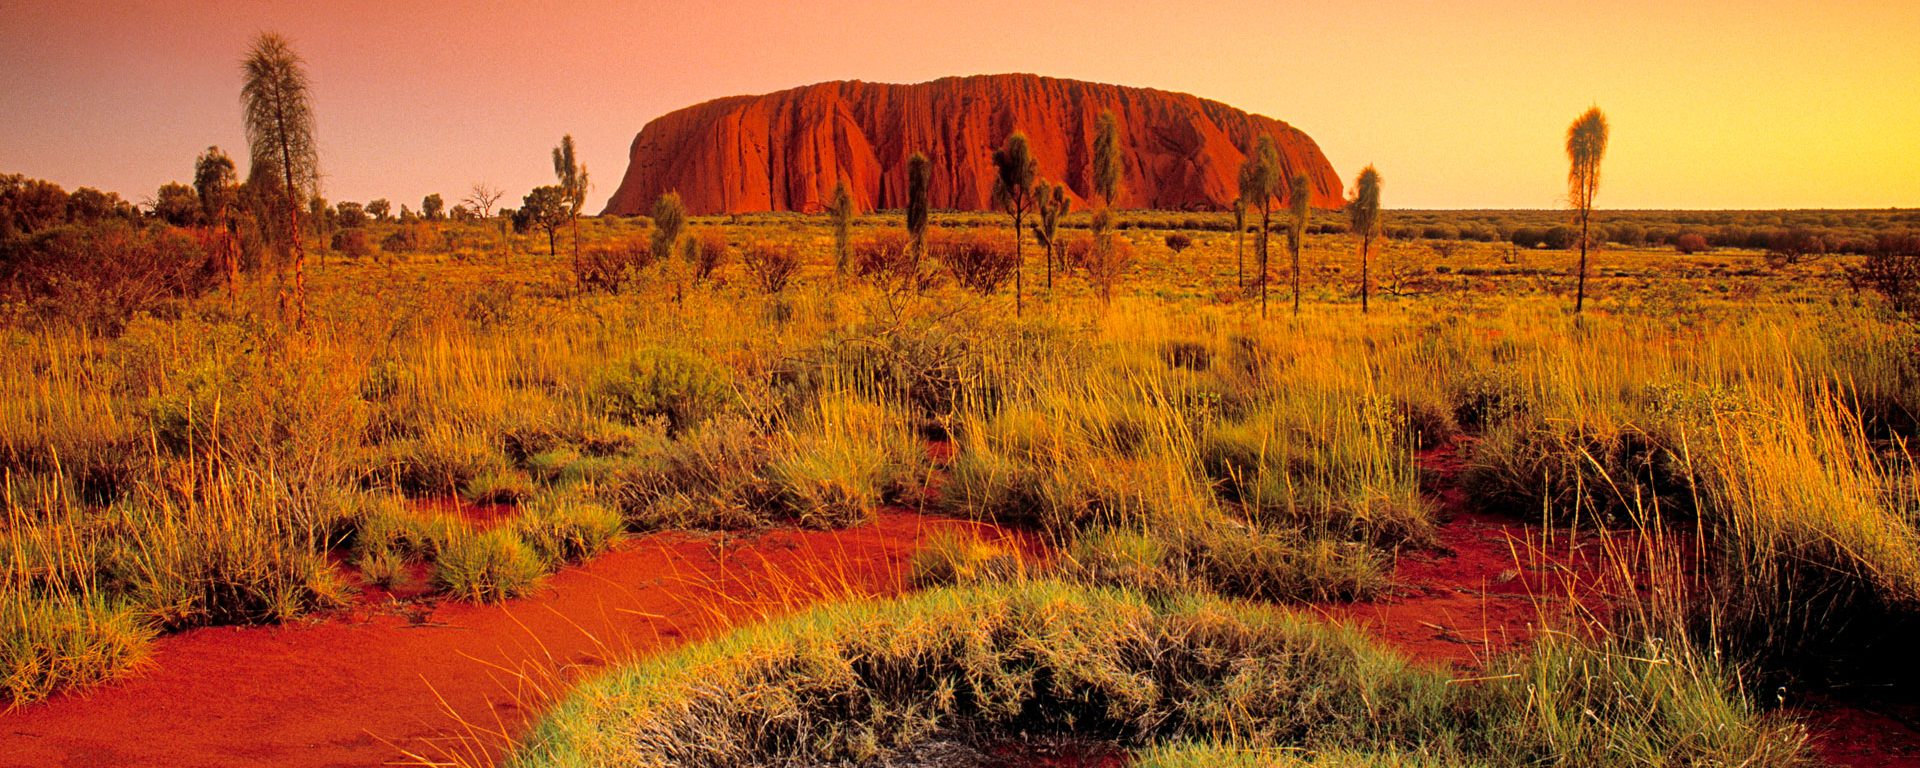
[
  {"x": 350, "y": 215},
  {"x": 1300, "y": 204},
  {"x": 545, "y": 207},
  {"x": 573, "y": 183},
  {"x": 177, "y": 204},
  {"x": 280, "y": 136},
  {"x": 380, "y": 209},
  {"x": 1259, "y": 185},
  {"x": 840, "y": 210},
  {"x": 432, "y": 207},
  {"x": 29, "y": 205},
  {"x": 218, "y": 189},
  {"x": 482, "y": 198},
  {"x": 1586, "y": 145},
  {"x": 1363, "y": 217},
  {"x": 1013, "y": 193}
]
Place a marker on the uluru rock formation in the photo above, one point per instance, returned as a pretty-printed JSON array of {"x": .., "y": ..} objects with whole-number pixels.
[{"x": 785, "y": 151}]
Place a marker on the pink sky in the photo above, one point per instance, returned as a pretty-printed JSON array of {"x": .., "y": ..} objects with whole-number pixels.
[{"x": 1760, "y": 104}]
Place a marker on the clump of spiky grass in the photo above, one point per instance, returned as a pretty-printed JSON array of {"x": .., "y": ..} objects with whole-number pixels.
[
  {"x": 842, "y": 459},
  {"x": 485, "y": 566},
  {"x": 568, "y": 527},
  {"x": 52, "y": 642},
  {"x": 865, "y": 681}
]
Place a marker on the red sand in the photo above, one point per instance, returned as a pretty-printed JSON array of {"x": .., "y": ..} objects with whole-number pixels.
[
  {"x": 358, "y": 688},
  {"x": 1482, "y": 591}
]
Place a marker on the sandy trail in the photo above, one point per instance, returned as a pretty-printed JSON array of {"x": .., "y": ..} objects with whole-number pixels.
[{"x": 356, "y": 689}]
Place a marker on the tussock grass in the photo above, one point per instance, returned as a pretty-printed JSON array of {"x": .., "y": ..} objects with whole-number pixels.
[{"x": 863, "y": 681}]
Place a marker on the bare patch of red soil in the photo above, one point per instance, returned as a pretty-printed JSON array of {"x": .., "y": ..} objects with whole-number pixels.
[
  {"x": 446, "y": 679},
  {"x": 1488, "y": 584},
  {"x": 1863, "y": 735}
]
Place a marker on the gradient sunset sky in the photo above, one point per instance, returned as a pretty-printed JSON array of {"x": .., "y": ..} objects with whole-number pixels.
[{"x": 1714, "y": 104}]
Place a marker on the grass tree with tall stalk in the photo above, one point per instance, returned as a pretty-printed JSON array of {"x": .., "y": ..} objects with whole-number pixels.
[
  {"x": 1363, "y": 218},
  {"x": 1259, "y": 185},
  {"x": 919, "y": 177},
  {"x": 1586, "y": 145},
  {"x": 1013, "y": 193},
  {"x": 1240, "y": 242},
  {"x": 1300, "y": 205},
  {"x": 1107, "y": 169},
  {"x": 574, "y": 184},
  {"x": 1050, "y": 203},
  {"x": 840, "y": 211},
  {"x": 277, "y": 103}
]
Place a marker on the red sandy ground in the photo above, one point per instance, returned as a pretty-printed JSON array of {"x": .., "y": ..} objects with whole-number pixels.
[
  {"x": 356, "y": 689},
  {"x": 418, "y": 675}
]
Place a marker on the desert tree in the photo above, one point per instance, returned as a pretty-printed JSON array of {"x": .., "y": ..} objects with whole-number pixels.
[
  {"x": 219, "y": 190},
  {"x": 380, "y": 209},
  {"x": 840, "y": 211},
  {"x": 545, "y": 207},
  {"x": 481, "y": 199},
  {"x": 574, "y": 184},
  {"x": 177, "y": 204},
  {"x": 1300, "y": 205},
  {"x": 919, "y": 178},
  {"x": 1013, "y": 193},
  {"x": 1049, "y": 204},
  {"x": 1259, "y": 185},
  {"x": 669, "y": 220},
  {"x": 432, "y": 207},
  {"x": 1586, "y": 145},
  {"x": 1363, "y": 217},
  {"x": 277, "y": 102}
]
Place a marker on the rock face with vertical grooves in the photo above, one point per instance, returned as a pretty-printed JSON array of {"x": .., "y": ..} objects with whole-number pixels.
[{"x": 785, "y": 151}]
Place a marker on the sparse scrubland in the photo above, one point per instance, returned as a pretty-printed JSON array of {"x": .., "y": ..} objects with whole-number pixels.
[{"x": 1195, "y": 469}]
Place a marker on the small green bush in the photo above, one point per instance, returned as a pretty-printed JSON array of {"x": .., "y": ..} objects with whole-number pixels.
[
  {"x": 684, "y": 388},
  {"x": 487, "y": 566}
]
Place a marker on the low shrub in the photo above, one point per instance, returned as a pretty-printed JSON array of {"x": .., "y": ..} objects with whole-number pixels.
[
  {"x": 684, "y": 388},
  {"x": 772, "y": 264},
  {"x": 978, "y": 261}
]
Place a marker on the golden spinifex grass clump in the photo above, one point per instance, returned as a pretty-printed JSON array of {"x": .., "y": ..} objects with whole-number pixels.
[{"x": 863, "y": 681}]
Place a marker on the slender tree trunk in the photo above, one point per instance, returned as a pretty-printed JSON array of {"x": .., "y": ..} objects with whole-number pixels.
[
  {"x": 1018, "y": 265},
  {"x": 1294, "y": 246},
  {"x": 578, "y": 285},
  {"x": 551, "y": 251},
  {"x": 1264, "y": 227},
  {"x": 1049, "y": 256},
  {"x": 1366, "y": 285},
  {"x": 1240, "y": 256},
  {"x": 1580, "y": 293}
]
